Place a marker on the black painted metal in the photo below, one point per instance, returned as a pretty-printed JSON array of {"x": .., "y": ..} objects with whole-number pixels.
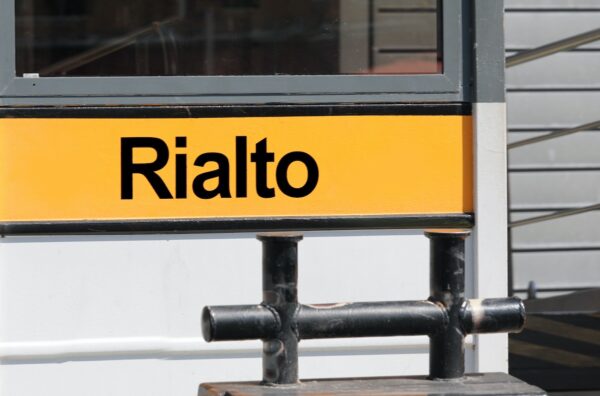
[
  {"x": 366, "y": 319},
  {"x": 370, "y": 319},
  {"x": 262, "y": 110},
  {"x": 280, "y": 321},
  {"x": 186, "y": 226},
  {"x": 280, "y": 294},
  {"x": 246, "y": 322},
  {"x": 447, "y": 284},
  {"x": 492, "y": 315}
]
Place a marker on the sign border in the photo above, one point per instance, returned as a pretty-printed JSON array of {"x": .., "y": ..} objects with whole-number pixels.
[
  {"x": 225, "y": 111},
  {"x": 227, "y": 225}
]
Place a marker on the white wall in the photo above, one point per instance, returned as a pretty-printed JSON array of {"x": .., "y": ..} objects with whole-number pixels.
[{"x": 118, "y": 315}]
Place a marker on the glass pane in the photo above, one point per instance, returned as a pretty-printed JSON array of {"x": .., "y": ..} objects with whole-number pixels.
[{"x": 227, "y": 37}]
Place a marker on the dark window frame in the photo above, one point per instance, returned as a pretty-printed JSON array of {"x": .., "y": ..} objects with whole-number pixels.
[{"x": 447, "y": 86}]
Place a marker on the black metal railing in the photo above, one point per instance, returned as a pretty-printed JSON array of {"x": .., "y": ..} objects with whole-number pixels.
[{"x": 280, "y": 321}]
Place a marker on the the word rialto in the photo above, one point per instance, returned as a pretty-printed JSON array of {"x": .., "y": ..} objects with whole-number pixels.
[{"x": 220, "y": 171}]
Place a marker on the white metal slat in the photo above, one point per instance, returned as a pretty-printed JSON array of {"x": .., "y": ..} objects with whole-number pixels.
[
  {"x": 529, "y": 24},
  {"x": 570, "y": 5},
  {"x": 579, "y": 230},
  {"x": 552, "y": 109},
  {"x": 557, "y": 269},
  {"x": 581, "y": 148},
  {"x": 526, "y": 30},
  {"x": 554, "y": 189},
  {"x": 568, "y": 70}
]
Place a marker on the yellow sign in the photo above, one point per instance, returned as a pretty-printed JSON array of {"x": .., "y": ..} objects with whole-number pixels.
[{"x": 245, "y": 167}]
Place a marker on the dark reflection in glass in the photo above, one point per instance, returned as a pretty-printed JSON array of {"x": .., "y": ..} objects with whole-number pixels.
[{"x": 227, "y": 37}]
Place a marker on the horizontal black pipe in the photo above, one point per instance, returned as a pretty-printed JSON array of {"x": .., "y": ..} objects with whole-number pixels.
[
  {"x": 239, "y": 322},
  {"x": 370, "y": 319},
  {"x": 493, "y": 315},
  {"x": 189, "y": 226}
]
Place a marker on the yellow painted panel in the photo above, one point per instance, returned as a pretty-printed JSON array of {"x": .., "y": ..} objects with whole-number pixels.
[{"x": 70, "y": 169}]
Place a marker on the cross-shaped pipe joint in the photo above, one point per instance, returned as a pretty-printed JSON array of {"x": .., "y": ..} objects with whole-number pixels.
[{"x": 281, "y": 322}]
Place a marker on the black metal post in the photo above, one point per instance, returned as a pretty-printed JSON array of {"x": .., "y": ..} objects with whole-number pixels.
[
  {"x": 447, "y": 284},
  {"x": 280, "y": 293},
  {"x": 280, "y": 321}
]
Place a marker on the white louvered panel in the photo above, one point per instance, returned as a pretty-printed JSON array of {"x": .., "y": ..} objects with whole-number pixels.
[
  {"x": 557, "y": 269},
  {"x": 552, "y": 109},
  {"x": 568, "y": 5},
  {"x": 559, "y": 91},
  {"x": 554, "y": 189},
  {"x": 579, "y": 70},
  {"x": 578, "y": 230},
  {"x": 582, "y": 148},
  {"x": 525, "y": 30}
]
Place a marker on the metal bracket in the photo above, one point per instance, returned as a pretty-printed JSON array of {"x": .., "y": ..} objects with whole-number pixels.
[{"x": 281, "y": 322}]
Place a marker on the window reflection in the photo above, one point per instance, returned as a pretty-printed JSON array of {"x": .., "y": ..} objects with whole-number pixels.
[{"x": 227, "y": 37}]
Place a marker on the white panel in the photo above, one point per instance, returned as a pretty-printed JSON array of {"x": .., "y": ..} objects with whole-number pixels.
[
  {"x": 122, "y": 314},
  {"x": 490, "y": 238},
  {"x": 180, "y": 377},
  {"x": 387, "y": 267},
  {"x": 526, "y": 30},
  {"x": 579, "y": 148},
  {"x": 552, "y": 4},
  {"x": 551, "y": 269},
  {"x": 552, "y": 109},
  {"x": 363, "y": 366},
  {"x": 110, "y": 377},
  {"x": 105, "y": 287},
  {"x": 554, "y": 188},
  {"x": 563, "y": 70},
  {"x": 579, "y": 230}
]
